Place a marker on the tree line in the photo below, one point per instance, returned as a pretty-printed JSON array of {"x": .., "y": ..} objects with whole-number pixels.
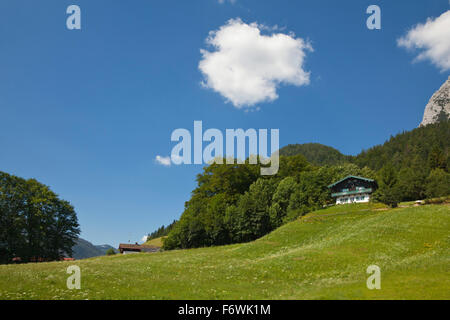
[
  {"x": 233, "y": 203},
  {"x": 161, "y": 231}
]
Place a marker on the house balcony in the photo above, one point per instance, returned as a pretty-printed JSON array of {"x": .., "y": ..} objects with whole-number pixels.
[{"x": 347, "y": 193}]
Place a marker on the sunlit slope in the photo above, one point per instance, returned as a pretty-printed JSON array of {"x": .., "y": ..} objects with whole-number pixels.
[
  {"x": 158, "y": 242},
  {"x": 322, "y": 256}
]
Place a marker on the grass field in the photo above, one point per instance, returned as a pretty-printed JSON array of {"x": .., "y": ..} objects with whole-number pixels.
[
  {"x": 158, "y": 242},
  {"x": 322, "y": 256}
]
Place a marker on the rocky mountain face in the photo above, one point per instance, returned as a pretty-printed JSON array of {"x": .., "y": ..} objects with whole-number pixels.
[{"x": 438, "y": 107}]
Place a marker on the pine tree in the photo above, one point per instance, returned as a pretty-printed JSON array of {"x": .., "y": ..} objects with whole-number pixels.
[{"x": 388, "y": 191}]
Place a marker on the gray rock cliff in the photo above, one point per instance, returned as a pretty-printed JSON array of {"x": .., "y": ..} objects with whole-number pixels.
[{"x": 438, "y": 107}]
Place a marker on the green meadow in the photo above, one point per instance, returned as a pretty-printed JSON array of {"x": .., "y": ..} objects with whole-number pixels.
[
  {"x": 158, "y": 242},
  {"x": 323, "y": 255}
]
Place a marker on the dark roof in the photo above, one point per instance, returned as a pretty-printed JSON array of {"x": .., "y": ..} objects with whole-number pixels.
[
  {"x": 130, "y": 246},
  {"x": 348, "y": 177},
  {"x": 127, "y": 246}
]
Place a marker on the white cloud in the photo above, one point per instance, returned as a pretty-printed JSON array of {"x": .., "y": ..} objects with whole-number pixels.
[
  {"x": 232, "y": 1},
  {"x": 246, "y": 67},
  {"x": 144, "y": 238},
  {"x": 165, "y": 161},
  {"x": 432, "y": 39}
]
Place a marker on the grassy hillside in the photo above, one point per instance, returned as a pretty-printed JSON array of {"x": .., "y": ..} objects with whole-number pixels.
[
  {"x": 158, "y": 242},
  {"x": 322, "y": 256}
]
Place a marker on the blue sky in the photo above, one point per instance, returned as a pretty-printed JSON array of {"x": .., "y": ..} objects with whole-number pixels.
[{"x": 87, "y": 111}]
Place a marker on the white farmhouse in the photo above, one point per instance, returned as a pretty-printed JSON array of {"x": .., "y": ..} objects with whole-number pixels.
[{"x": 353, "y": 189}]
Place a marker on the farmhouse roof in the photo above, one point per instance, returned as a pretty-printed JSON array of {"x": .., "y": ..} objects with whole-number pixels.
[
  {"x": 348, "y": 177},
  {"x": 127, "y": 246},
  {"x": 130, "y": 246}
]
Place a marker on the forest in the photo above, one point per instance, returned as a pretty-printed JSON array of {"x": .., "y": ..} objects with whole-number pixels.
[{"x": 233, "y": 203}]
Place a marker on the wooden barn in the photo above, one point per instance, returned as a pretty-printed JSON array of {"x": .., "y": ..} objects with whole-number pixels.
[{"x": 126, "y": 248}]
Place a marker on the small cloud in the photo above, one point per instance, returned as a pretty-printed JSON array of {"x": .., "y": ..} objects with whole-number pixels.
[
  {"x": 246, "y": 66},
  {"x": 164, "y": 161},
  {"x": 432, "y": 39},
  {"x": 231, "y": 1},
  {"x": 255, "y": 109},
  {"x": 144, "y": 238}
]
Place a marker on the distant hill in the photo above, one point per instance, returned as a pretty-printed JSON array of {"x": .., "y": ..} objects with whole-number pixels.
[
  {"x": 409, "y": 148},
  {"x": 84, "y": 249},
  {"x": 402, "y": 150},
  {"x": 315, "y": 153}
]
